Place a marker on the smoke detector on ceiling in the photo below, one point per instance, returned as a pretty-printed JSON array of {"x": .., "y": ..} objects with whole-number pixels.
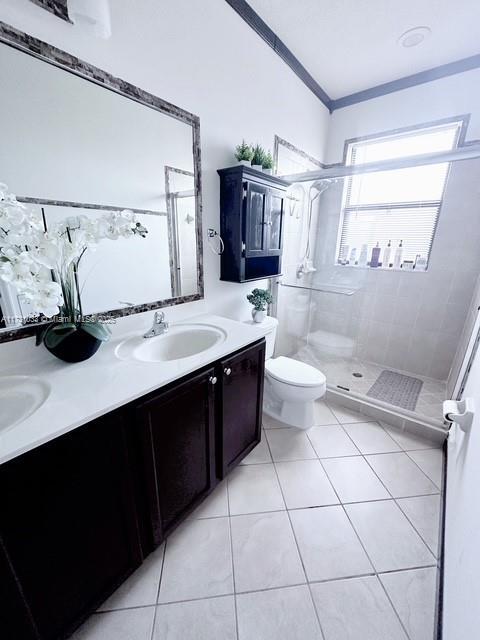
[{"x": 414, "y": 37}]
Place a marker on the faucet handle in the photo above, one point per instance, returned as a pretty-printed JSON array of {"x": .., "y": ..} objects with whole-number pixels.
[{"x": 159, "y": 317}]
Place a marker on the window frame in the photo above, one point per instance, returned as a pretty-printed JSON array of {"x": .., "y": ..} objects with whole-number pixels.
[{"x": 462, "y": 121}]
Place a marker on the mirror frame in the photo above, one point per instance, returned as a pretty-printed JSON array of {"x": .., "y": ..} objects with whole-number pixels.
[{"x": 51, "y": 55}]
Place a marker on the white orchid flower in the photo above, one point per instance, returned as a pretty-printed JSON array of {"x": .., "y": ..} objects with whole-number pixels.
[{"x": 29, "y": 255}]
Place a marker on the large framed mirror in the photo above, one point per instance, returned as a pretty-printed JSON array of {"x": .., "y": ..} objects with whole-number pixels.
[{"x": 79, "y": 144}]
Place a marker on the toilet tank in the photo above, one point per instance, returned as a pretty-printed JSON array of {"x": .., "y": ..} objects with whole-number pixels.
[{"x": 270, "y": 325}]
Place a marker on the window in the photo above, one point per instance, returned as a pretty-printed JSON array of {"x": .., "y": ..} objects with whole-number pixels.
[{"x": 400, "y": 205}]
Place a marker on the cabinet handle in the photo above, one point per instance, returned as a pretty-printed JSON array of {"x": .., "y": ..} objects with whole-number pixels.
[
  {"x": 227, "y": 371},
  {"x": 213, "y": 380}
]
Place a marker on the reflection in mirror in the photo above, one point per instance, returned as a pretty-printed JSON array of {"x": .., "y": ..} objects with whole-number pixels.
[
  {"x": 180, "y": 195},
  {"x": 70, "y": 148}
]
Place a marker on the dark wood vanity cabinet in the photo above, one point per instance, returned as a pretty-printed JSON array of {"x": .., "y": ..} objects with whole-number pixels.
[
  {"x": 178, "y": 436},
  {"x": 240, "y": 405},
  {"x": 79, "y": 514},
  {"x": 68, "y": 526},
  {"x": 252, "y": 209}
]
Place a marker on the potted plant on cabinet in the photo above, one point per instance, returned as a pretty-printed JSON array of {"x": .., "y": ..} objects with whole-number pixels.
[
  {"x": 244, "y": 153},
  {"x": 42, "y": 265},
  {"x": 260, "y": 298},
  {"x": 258, "y": 157},
  {"x": 268, "y": 163}
]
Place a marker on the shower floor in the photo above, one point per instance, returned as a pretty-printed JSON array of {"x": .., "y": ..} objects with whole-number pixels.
[{"x": 340, "y": 374}]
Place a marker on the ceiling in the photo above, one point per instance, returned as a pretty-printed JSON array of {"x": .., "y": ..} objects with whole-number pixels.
[{"x": 351, "y": 45}]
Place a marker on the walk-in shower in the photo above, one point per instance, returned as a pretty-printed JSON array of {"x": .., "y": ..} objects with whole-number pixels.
[{"x": 390, "y": 326}]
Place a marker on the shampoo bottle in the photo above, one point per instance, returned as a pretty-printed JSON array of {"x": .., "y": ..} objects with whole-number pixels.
[
  {"x": 386, "y": 255},
  {"x": 363, "y": 257},
  {"x": 420, "y": 263},
  {"x": 375, "y": 259},
  {"x": 397, "y": 261},
  {"x": 344, "y": 255},
  {"x": 353, "y": 256}
]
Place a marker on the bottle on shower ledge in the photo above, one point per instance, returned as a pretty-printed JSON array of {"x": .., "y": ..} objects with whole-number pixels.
[
  {"x": 397, "y": 261},
  {"x": 375, "y": 258},
  {"x": 386, "y": 255},
  {"x": 353, "y": 256},
  {"x": 363, "y": 257}
]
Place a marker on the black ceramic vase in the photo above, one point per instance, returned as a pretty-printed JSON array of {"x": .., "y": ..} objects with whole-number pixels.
[{"x": 75, "y": 347}]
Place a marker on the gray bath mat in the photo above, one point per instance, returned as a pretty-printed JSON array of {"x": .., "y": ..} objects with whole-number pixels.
[{"x": 397, "y": 389}]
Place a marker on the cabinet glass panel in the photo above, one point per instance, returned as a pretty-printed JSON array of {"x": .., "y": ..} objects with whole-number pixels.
[
  {"x": 275, "y": 222},
  {"x": 255, "y": 218}
]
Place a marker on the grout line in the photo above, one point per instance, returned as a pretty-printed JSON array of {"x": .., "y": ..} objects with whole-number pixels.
[
  {"x": 374, "y": 568},
  {"x": 435, "y": 554},
  {"x": 318, "y": 506},
  {"x": 158, "y": 591},
  {"x": 237, "y": 633},
  {"x": 132, "y": 608},
  {"x": 416, "y": 568},
  {"x": 424, "y": 473},
  {"x": 299, "y": 552},
  {"x": 398, "y": 506},
  {"x": 382, "y": 586},
  {"x": 219, "y": 595},
  {"x": 364, "y": 549},
  {"x": 286, "y": 586}
]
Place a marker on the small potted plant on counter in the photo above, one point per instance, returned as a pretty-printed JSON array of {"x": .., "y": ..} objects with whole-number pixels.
[
  {"x": 258, "y": 157},
  {"x": 260, "y": 298},
  {"x": 42, "y": 265},
  {"x": 244, "y": 153},
  {"x": 268, "y": 163}
]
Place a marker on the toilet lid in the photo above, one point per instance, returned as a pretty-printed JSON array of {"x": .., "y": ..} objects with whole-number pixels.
[{"x": 293, "y": 372}]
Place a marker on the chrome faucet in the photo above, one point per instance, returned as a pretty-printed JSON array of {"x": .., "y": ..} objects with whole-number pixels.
[{"x": 160, "y": 325}]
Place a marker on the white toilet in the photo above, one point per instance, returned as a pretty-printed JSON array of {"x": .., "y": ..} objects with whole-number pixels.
[{"x": 291, "y": 387}]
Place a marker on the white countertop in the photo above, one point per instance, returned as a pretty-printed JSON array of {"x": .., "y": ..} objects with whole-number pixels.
[{"x": 84, "y": 391}]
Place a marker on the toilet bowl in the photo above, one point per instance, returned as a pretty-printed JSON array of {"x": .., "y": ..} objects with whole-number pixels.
[{"x": 291, "y": 387}]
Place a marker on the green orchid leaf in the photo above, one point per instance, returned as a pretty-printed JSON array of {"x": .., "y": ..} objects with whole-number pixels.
[
  {"x": 42, "y": 333},
  {"x": 57, "y": 333},
  {"x": 97, "y": 330}
]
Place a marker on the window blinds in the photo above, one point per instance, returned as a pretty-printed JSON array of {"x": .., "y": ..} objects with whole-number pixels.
[{"x": 393, "y": 206}]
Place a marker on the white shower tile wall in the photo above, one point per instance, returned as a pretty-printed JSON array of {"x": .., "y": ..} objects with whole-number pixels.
[{"x": 408, "y": 321}]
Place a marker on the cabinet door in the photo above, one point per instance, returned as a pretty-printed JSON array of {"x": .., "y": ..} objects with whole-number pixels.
[
  {"x": 274, "y": 222},
  {"x": 68, "y": 524},
  {"x": 178, "y": 429},
  {"x": 241, "y": 405},
  {"x": 15, "y": 618},
  {"x": 255, "y": 222}
]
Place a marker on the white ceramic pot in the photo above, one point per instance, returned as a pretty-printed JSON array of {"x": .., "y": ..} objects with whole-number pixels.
[
  {"x": 268, "y": 171},
  {"x": 259, "y": 315},
  {"x": 258, "y": 167},
  {"x": 244, "y": 163}
]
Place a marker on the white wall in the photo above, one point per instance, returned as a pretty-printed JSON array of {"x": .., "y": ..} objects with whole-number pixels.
[
  {"x": 462, "y": 524},
  {"x": 202, "y": 57},
  {"x": 452, "y": 96}
]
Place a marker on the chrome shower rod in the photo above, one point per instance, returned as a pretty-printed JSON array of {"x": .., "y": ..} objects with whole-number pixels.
[{"x": 466, "y": 152}]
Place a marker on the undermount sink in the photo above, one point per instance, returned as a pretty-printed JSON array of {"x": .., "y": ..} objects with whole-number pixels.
[
  {"x": 20, "y": 396},
  {"x": 181, "y": 341}
]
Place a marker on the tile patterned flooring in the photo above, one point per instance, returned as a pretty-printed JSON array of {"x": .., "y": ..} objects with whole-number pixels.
[
  {"x": 338, "y": 371},
  {"x": 330, "y": 534}
]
